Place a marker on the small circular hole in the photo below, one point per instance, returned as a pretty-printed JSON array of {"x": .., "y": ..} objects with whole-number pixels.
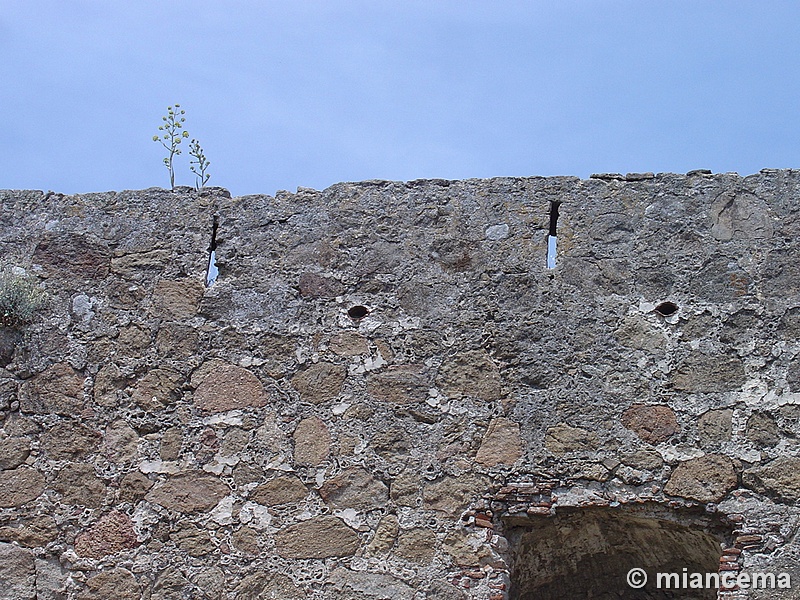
[
  {"x": 666, "y": 309},
  {"x": 357, "y": 312}
]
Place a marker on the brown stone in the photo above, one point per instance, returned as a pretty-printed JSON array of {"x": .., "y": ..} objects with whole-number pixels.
[
  {"x": 121, "y": 442},
  {"x": 119, "y": 584},
  {"x": 192, "y": 540},
  {"x": 762, "y": 430},
  {"x": 281, "y": 490},
  {"x": 701, "y": 373},
  {"x": 111, "y": 534},
  {"x": 464, "y": 554},
  {"x": 13, "y": 452},
  {"x": 400, "y": 384},
  {"x": 708, "y": 478},
  {"x": 349, "y": 343},
  {"x": 319, "y": 537},
  {"x": 17, "y": 573},
  {"x": 72, "y": 256},
  {"x": 78, "y": 484},
  {"x": 563, "y": 439},
  {"x": 416, "y": 545},
  {"x": 405, "y": 489},
  {"x": 37, "y": 532},
  {"x": 344, "y": 584},
  {"x": 177, "y": 341},
  {"x": 501, "y": 444},
  {"x": 778, "y": 478},
  {"x": 157, "y": 389},
  {"x": 245, "y": 540},
  {"x": 229, "y": 387},
  {"x": 316, "y": 286},
  {"x": 715, "y": 427},
  {"x": 132, "y": 265},
  {"x": 312, "y": 442},
  {"x": 108, "y": 381},
  {"x": 652, "y": 423},
  {"x": 20, "y": 485},
  {"x": 177, "y": 299},
  {"x": 171, "y": 443},
  {"x": 319, "y": 382},
  {"x": 68, "y": 440},
  {"x": 385, "y": 535},
  {"x": 134, "y": 486},
  {"x": 190, "y": 492},
  {"x": 57, "y": 390},
  {"x": 452, "y": 495},
  {"x": 133, "y": 338},
  {"x": 354, "y": 488},
  {"x": 268, "y": 586},
  {"x": 470, "y": 374}
]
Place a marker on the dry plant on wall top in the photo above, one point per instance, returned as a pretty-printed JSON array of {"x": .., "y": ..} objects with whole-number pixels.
[
  {"x": 199, "y": 165},
  {"x": 171, "y": 137},
  {"x": 20, "y": 298}
]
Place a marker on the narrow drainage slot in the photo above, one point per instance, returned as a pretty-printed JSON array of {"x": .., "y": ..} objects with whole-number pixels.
[
  {"x": 357, "y": 312},
  {"x": 552, "y": 239},
  {"x": 212, "y": 272},
  {"x": 665, "y": 309}
]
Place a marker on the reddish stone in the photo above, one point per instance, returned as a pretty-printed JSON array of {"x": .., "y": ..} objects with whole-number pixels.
[{"x": 111, "y": 534}]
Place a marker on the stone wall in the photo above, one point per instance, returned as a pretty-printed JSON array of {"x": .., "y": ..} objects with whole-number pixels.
[{"x": 257, "y": 439}]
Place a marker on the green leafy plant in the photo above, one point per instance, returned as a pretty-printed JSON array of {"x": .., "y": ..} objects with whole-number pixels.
[
  {"x": 171, "y": 136},
  {"x": 199, "y": 165},
  {"x": 20, "y": 298}
]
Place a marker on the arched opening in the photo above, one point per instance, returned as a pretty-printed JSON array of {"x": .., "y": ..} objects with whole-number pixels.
[{"x": 588, "y": 553}]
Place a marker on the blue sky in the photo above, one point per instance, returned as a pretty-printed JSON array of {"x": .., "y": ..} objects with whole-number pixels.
[{"x": 302, "y": 93}]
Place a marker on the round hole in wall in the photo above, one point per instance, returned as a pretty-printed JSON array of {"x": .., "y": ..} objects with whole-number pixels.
[
  {"x": 357, "y": 312},
  {"x": 665, "y": 309}
]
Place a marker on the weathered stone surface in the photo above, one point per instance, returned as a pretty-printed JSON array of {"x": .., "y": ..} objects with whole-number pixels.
[
  {"x": 319, "y": 382},
  {"x": 358, "y": 584},
  {"x": 348, "y": 343},
  {"x": 405, "y": 489},
  {"x": 563, "y": 439},
  {"x": 58, "y": 389},
  {"x": 157, "y": 389},
  {"x": 400, "y": 384},
  {"x": 172, "y": 584},
  {"x": 118, "y": 584},
  {"x": 701, "y": 373},
  {"x": 51, "y": 581},
  {"x": 268, "y": 586},
  {"x": 134, "y": 486},
  {"x": 762, "y": 429},
  {"x": 111, "y": 534},
  {"x": 354, "y": 488},
  {"x": 715, "y": 426},
  {"x": 708, "y": 478},
  {"x": 230, "y": 387},
  {"x": 13, "y": 452},
  {"x": 416, "y": 545},
  {"x": 779, "y": 478},
  {"x": 636, "y": 333},
  {"x": 189, "y": 492},
  {"x": 501, "y": 444},
  {"x": 174, "y": 340},
  {"x": 312, "y": 442},
  {"x": 39, "y": 531},
  {"x": 245, "y": 540},
  {"x": 316, "y": 286},
  {"x": 78, "y": 484},
  {"x": 281, "y": 490},
  {"x": 120, "y": 442},
  {"x": 134, "y": 264},
  {"x": 644, "y": 459},
  {"x": 452, "y": 495},
  {"x": 652, "y": 423},
  {"x": 463, "y": 551},
  {"x": 72, "y": 256},
  {"x": 69, "y": 440},
  {"x": 470, "y": 373},
  {"x": 20, "y": 485},
  {"x": 17, "y": 573},
  {"x": 171, "y": 442},
  {"x": 319, "y": 537},
  {"x": 385, "y": 536},
  {"x": 192, "y": 540},
  {"x": 177, "y": 299},
  {"x": 108, "y": 381}
]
